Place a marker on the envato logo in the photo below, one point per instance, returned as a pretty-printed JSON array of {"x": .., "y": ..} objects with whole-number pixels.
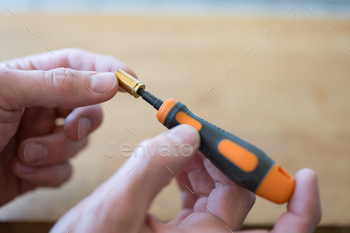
[{"x": 126, "y": 150}]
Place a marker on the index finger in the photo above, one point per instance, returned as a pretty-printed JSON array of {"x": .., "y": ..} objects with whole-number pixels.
[
  {"x": 74, "y": 58},
  {"x": 228, "y": 201}
]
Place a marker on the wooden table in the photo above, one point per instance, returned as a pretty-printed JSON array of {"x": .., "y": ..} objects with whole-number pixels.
[{"x": 289, "y": 95}]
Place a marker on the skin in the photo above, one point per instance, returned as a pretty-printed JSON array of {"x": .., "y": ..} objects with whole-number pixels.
[
  {"x": 210, "y": 201},
  {"x": 35, "y": 92}
]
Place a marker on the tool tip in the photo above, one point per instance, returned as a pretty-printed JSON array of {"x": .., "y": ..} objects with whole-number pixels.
[{"x": 128, "y": 83}]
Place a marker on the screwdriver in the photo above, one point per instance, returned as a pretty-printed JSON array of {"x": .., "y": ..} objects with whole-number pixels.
[{"x": 245, "y": 164}]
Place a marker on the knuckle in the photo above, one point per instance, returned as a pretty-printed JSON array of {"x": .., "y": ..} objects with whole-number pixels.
[
  {"x": 8, "y": 94},
  {"x": 60, "y": 79},
  {"x": 76, "y": 53}
]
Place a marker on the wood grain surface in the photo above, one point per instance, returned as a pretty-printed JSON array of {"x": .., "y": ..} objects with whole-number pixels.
[{"x": 289, "y": 96}]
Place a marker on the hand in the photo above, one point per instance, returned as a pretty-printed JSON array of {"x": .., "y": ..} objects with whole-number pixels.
[
  {"x": 34, "y": 92},
  {"x": 211, "y": 202},
  {"x": 122, "y": 202}
]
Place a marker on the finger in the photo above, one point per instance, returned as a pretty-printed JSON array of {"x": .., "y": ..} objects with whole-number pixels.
[
  {"x": 48, "y": 150},
  {"x": 82, "y": 121},
  {"x": 73, "y": 58},
  {"x": 188, "y": 196},
  {"x": 201, "y": 182},
  {"x": 51, "y": 176},
  {"x": 37, "y": 122},
  {"x": 195, "y": 184},
  {"x": 59, "y": 87},
  {"x": 25, "y": 186},
  {"x": 63, "y": 112},
  {"x": 228, "y": 201},
  {"x": 145, "y": 173},
  {"x": 199, "y": 177},
  {"x": 304, "y": 208}
]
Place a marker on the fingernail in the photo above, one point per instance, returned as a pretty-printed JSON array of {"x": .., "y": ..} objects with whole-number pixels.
[
  {"x": 84, "y": 126},
  {"x": 34, "y": 152},
  {"x": 103, "y": 83},
  {"x": 24, "y": 169},
  {"x": 184, "y": 134}
]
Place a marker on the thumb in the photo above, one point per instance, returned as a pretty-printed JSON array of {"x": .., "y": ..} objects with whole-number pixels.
[
  {"x": 151, "y": 166},
  {"x": 60, "y": 87}
]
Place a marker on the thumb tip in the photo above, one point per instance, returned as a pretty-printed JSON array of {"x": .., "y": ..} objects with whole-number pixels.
[{"x": 184, "y": 134}]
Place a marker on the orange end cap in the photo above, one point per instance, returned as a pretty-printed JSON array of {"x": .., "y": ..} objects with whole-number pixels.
[
  {"x": 183, "y": 118},
  {"x": 241, "y": 157},
  {"x": 165, "y": 109},
  {"x": 277, "y": 186}
]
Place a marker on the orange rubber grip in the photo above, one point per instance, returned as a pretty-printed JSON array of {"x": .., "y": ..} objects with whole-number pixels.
[
  {"x": 243, "y": 158},
  {"x": 277, "y": 185}
]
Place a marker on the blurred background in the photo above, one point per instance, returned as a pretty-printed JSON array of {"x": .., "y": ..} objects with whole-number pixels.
[{"x": 275, "y": 73}]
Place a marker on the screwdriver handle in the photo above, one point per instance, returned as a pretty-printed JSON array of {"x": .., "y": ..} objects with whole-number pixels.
[{"x": 239, "y": 160}]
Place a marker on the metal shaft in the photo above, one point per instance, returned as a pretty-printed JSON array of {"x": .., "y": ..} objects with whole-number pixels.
[{"x": 149, "y": 98}]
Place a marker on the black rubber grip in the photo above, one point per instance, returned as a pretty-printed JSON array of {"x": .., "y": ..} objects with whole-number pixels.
[{"x": 211, "y": 136}]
